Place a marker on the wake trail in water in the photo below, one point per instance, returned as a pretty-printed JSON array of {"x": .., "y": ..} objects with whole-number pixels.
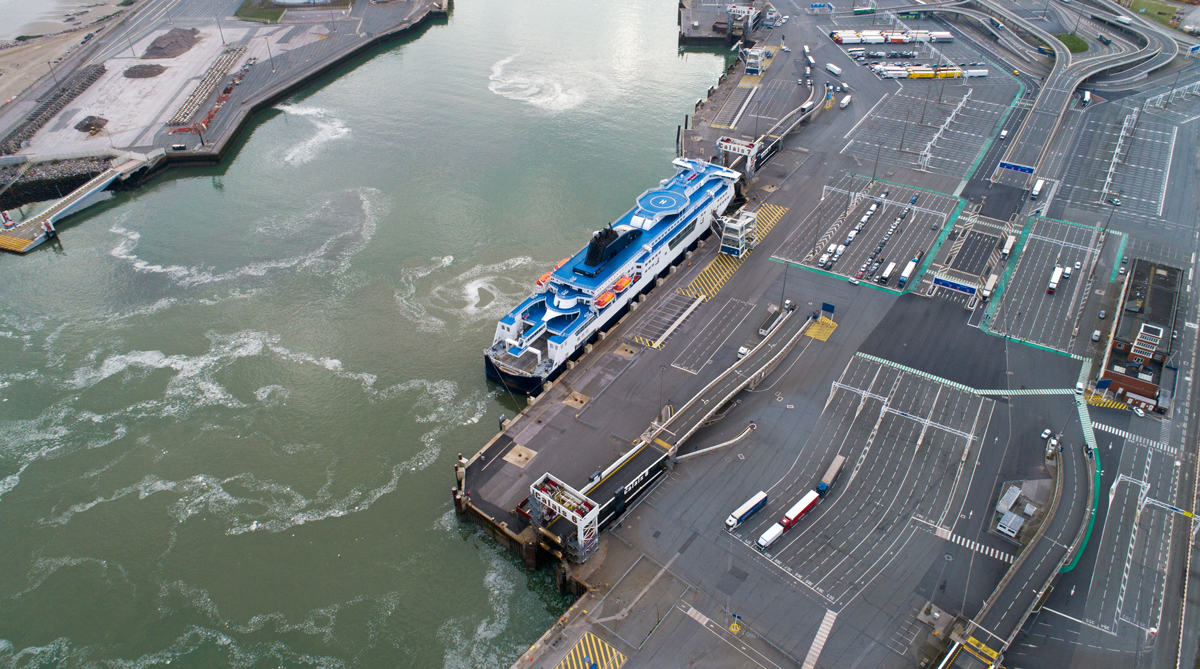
[
  {"x": 329, "y": 128},
  {"x": 543, "y": 90}
]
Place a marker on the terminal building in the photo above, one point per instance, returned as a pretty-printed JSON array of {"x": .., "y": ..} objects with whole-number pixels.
[{"x": 1137, "y": 365}]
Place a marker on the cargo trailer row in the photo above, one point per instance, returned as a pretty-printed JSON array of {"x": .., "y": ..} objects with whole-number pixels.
[{"x": 889, "y": 36}]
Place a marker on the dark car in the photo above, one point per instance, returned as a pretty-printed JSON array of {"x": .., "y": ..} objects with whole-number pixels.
[{"x": 914, "y": 199}]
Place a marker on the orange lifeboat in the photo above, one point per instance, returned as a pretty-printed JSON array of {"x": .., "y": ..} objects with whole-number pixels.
[
  {"x": 604, "y": 299},
  {"x": 546, "y": 277},
  {"x": 622, "y": 284}
]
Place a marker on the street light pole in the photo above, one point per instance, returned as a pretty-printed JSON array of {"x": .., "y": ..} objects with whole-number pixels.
[
  {"x": 904, "y": 130},
  {"x": 269, "y": 56},
  {"x": 661, "y": 369},
  {"x": 783, "y": 291},
  {"x": 56, "y": 84},
  {"x": 878, "y": 150},
  {"x": 222, "y": 32}
]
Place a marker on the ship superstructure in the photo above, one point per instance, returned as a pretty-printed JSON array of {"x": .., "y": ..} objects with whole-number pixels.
[{"x": 587, "y": 291}]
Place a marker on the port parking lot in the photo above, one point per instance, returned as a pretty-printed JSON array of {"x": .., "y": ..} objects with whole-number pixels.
[
  {"x": 912, "y": 129},
  {"x": 1025, "y": 310},
  {"x": 1140, "y": 175},
  {"x": 915, "y": 234},
  {"x": 904, "y": 437}
]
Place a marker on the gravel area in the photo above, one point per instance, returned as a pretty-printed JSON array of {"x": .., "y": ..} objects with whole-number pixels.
[{"x": 175, "y": 42}]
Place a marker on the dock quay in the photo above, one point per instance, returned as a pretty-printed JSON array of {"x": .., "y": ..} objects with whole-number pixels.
[
  {"x": 623, "y": 474},
  {"x": 201, "y": 96}
]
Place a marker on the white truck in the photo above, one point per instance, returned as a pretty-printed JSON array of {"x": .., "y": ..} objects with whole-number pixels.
[
  {"x": 833, "y": 69},
  {"x": 845, "y": 102}
]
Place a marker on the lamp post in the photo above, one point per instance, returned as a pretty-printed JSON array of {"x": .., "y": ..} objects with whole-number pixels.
[
  {"x": 661, "y": 369},
  {"x": 56, "y": 84},
  {"x": 222, "y": 32},
  {"x": 269, "y": 56}
]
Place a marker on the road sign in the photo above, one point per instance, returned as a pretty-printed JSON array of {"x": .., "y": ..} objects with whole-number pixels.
[
  {"x": 1016, "y": 167},
  {"x": 827, "y": 307},
  {"x": 1103, "y": 383},
  {"x": 739, "y": 146},
  {"x": 953, "y": 285}
]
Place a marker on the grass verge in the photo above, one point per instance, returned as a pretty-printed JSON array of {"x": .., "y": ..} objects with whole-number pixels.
[
  {"x": 250, "y": 12},
  {"x": 1074, "y": 43},
  {"x": 1160, "y": 12}
]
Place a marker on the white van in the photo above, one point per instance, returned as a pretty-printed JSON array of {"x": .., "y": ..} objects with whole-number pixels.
[
  {"x": 874, "y": 206},
  {"x": 1003, "y": 134},
  {"x": 1095, "y": 335},
  {"x": 1067, "y": 272},
  {"x": 823, "y": 261},
  {"x": 839, "y": 251},
  {"x": 850, "y": 236},
  {"x": 831, "y": 249}
]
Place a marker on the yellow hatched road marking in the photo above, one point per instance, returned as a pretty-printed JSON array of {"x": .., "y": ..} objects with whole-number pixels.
[
  {"x": 592, "y": 650},
  {"x": 713, "y": 278},
  {"x": 1100, "y": 401},
  {"x": 821, "y": 329},
  {"x": 646, "y": 342},
  {"x": 14, "y": 243}
]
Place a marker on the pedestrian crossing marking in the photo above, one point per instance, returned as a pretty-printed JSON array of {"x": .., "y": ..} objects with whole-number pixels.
[
  {"x": 814, "y": 651},
  {"x": 592, "y": 650},
  {"x": 821, "y": 329},
  {"x": 647, "y": 343},
  {"x": 713, "y": 278},
  {"x": 1137, "y": 439},
  {"x": 975, "y": 546}
]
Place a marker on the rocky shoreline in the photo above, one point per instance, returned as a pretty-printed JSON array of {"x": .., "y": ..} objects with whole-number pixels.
[{"x": 47, "y": 181}]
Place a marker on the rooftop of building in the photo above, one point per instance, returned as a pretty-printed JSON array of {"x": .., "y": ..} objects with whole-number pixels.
[{"x": 1151, "y": 296}]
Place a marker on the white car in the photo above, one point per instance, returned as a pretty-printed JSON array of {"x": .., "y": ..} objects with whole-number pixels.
[
  {"x": 1046, "y": 433},
  {"x": 1139, "y": 412}
]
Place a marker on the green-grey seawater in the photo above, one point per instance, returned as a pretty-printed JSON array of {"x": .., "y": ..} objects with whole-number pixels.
[{"x": 231, "y": 403}]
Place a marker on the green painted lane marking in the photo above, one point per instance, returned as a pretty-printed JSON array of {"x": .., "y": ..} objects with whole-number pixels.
[
  {"x": 1085, "y": 416},
  {"x": 965, "y": 388},
  {"x": 862, "y": 282},
  {"x": 1120, "y": 254},
  {"x": 992, "y": 140}
]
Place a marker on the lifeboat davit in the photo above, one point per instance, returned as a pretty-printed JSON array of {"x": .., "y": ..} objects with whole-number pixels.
[
  {"x": 605, "y": 298},
  {"x": 622, "y": 284}
]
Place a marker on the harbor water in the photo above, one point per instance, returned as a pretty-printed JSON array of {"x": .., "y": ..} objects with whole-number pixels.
[{"x": 231, "y": 401}]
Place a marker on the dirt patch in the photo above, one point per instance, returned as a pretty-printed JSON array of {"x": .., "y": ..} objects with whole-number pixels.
[
  {"x": 173, "y": 43},
  {"x": 144, "y": 71},
  {"x": 91, "y": 124}
]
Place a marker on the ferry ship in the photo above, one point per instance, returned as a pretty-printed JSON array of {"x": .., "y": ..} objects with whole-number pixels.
[{"x": 586, "y": 292}]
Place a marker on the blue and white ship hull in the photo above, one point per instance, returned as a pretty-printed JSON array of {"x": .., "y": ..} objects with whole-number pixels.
[{"x": 589, "y": 290}]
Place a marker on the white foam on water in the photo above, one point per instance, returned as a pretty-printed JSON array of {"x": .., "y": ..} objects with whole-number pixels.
[
  {"x": 479, "y": 647},
  {"x": 271, "y": 395},
  {"x": 431, "y": 297},
  {"x": 544, "y": 90},
  {"x": 43, "y": 568},
  {"x": 329, "y": 128},
  {"x": 7, "y": 380},
  {"x": 406, "y": 295},
  {"x": 352, "y": 226}
]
